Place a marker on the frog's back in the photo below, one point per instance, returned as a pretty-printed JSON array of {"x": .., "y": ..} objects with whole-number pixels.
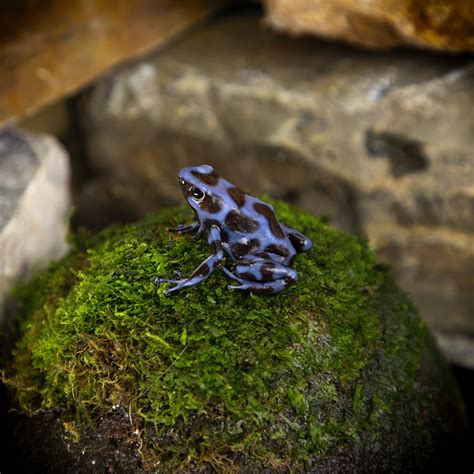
[{"x": 253, "y": 228}]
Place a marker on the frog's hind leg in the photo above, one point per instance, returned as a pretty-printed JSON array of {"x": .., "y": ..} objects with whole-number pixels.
[
  {"x": 248, "y": 267},
  {"x": 262, "y": 275},
  {"x": 300, "y": 242},
  {"x": 285, "y": 277}
]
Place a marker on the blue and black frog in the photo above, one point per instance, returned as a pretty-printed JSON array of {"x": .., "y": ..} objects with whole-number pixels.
[{"x": 244, "y": 228}]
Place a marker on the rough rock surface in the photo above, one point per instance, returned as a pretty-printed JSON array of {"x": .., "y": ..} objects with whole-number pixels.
[
  {"x": 336, "y": 374},
  {"x": 49, "y": 50},
  {"x": 381, "y": 144},
  {"x": 34, "y": 205},
  {"x": 446, "y": 25}
]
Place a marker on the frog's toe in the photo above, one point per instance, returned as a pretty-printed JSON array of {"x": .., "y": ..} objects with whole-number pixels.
[{"x": 164, "y": 280}]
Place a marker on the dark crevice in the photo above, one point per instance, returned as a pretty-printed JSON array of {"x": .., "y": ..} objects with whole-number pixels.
[{"x": 405, "y": 154}]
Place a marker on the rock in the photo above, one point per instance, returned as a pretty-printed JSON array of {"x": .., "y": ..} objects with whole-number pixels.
[
  {"x": 55, "y": 119},
  {"x": 51, "y": 50},
  {"x": 336, "y": 374},
  {"x": 447, "y": 26},
  {"x": 381, "y": 144},
  {"x": 34, "y": 205},
  {"x": 459, "y": 347}
]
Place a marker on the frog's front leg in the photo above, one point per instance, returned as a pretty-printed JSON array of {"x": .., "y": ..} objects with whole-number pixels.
[
  {"x": 300, "y": 242},
  {"x": 262, "y": 275},
  {"x": 205, "y": 268},
  {"x": 184, "y": 228}
]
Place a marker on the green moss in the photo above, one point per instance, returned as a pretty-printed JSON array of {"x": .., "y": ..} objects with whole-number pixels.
[{"x": 210, "y": 374}]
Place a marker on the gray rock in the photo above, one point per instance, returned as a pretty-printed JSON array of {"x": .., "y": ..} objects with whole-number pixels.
[
  {"x": 34, "y": 205},
  {"x": 459, "y": 347},
  {"x": 382, "y": 144}
]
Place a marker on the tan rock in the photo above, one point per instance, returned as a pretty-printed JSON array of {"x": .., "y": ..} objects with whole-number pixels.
[
  {"x": 51, "y": 49},
  {"x": 445, "y": 25}
]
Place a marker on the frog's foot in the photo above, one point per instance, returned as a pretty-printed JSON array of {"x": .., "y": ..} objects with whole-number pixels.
[
  {"x": 258, "y": 288},
  {"x": 165, "y": 280},
  {"x": 178, "y": 283}
]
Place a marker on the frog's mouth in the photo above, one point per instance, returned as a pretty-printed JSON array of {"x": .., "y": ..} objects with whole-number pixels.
[{"x": 185, "y": 187}]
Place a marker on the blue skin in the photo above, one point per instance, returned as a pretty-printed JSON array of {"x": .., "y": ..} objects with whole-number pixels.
[{"x": 244, "y": 228}]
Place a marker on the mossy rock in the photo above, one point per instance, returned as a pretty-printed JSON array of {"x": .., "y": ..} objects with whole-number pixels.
[{"x": 337, "y": 373}]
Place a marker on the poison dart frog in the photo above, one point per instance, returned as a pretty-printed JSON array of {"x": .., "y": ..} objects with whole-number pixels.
[{"x": 244, "y": 228}]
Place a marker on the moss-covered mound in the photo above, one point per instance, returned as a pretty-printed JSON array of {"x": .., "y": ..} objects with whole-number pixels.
[{"x": 210, "y": 377}]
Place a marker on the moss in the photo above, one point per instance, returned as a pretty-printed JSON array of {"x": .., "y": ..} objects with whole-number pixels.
[{"x": 214, "y": 375}]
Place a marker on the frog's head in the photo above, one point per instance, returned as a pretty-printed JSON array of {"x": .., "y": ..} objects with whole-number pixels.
[{"x": 200, "y": 188}]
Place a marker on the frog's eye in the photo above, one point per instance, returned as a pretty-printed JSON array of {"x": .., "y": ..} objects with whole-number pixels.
[{"x": 197, "y": 194}]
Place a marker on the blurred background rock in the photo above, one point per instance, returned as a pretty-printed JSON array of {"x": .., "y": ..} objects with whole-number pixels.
[{"x": 378, "y": 139}]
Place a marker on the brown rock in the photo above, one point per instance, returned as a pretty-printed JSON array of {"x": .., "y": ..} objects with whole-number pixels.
[
  {"x": 381, "y": 144},
  {"x": 445, "y": 25},
  {"x": 51, "y": 49}
]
